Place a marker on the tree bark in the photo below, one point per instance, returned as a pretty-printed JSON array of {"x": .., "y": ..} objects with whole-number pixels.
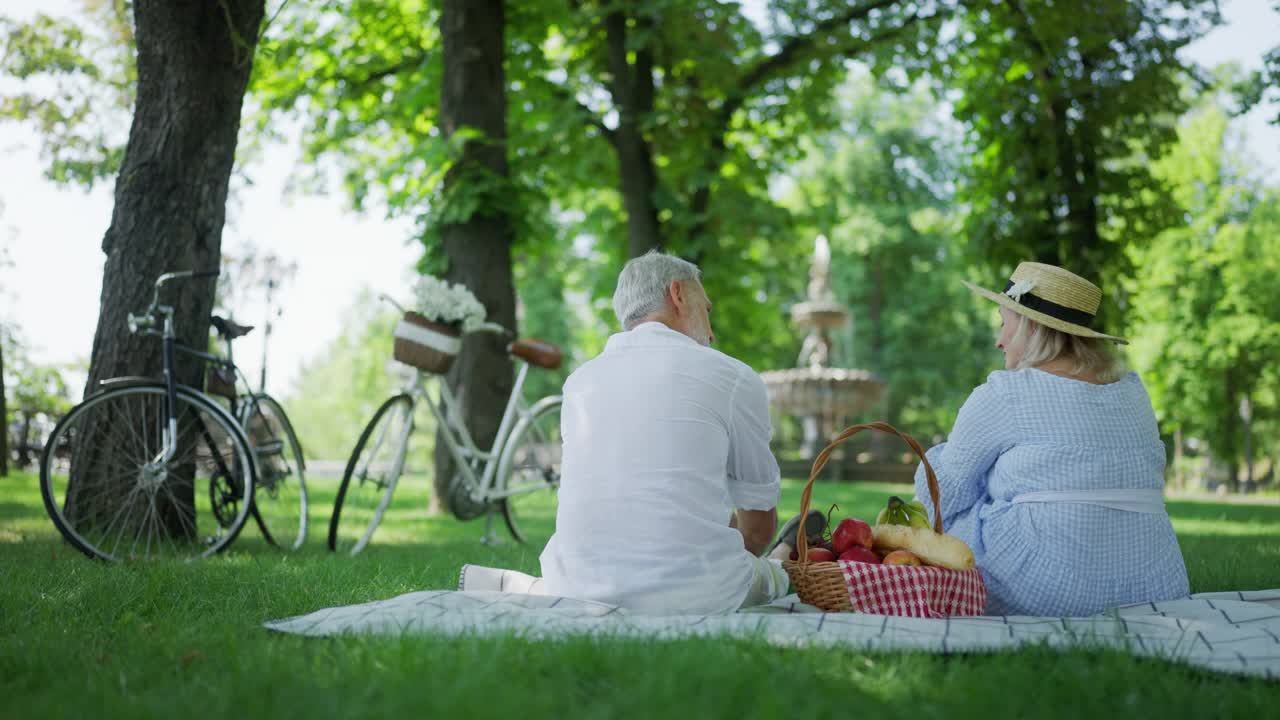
[
  {"x": 479, "y": 249},
  {"x": 633, "y": 91},
  {"x": 1232, "y": 450},
  {"x": 24, "y": 441},
  {"x": 194, "y": 59}
]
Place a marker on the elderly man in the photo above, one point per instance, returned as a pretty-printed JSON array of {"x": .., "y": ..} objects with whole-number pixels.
[{"x": 665, "y": 439}]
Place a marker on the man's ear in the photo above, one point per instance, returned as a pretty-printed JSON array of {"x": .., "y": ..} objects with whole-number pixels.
[{"x": 675, "y": 293}]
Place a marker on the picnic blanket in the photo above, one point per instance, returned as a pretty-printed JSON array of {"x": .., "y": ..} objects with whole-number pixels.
[{"x": 1234, "y": 632}]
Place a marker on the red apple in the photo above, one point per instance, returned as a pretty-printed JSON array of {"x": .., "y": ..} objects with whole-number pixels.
[
  {"x": 902, "y": 557},
  {"x": 851, "y": 532},
  {"x": 857, "y": 553},
  {"x": 821, "y": 555}
]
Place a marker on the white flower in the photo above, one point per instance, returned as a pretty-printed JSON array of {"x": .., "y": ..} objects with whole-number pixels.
[
  {"x": 1022, "y": 287},
  {"x": 448, "y": 303}
]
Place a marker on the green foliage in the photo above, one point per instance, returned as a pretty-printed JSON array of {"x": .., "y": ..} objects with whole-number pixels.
[
  {"x": 1206, "y": 305},
  {"x": 880, "y": 188},
  {"x": 1066, "y": 105},
  {"x": 544, "y": 314},
  {"x": 36, "y": 395},
  {"x": 77, "y": 88},
  {"x": 730, "y": 104}
]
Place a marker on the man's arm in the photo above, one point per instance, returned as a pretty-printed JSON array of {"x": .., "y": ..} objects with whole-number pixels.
[
  {"x": 757, "y": 528},
  {"x": 752, "y": 470}
]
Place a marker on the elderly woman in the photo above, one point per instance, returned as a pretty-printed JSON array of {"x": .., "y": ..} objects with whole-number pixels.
[{"x": 1054, "y": 469}]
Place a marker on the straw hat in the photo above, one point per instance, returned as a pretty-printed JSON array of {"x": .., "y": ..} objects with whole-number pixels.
[{"x": 1052, "y": 297}]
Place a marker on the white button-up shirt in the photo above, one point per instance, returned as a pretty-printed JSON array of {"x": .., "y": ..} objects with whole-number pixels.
[{"x": 663, "y": 438}]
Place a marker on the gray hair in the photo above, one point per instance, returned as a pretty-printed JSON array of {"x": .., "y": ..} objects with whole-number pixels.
[
  {"x": 642, "y": 285},
  {"x": 1045, "y": 344}
]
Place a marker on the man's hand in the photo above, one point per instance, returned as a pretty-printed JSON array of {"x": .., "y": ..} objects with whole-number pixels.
[{"x": 757, "y": 527}]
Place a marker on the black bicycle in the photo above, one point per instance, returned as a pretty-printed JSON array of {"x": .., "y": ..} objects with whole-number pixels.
[{"x": 147, "y": 468}]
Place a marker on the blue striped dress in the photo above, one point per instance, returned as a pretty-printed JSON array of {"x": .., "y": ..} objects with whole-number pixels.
[{"x": 1026, "y": 431}]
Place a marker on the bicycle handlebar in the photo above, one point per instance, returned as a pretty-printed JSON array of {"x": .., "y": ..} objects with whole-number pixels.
[
  {"x": 147, "y": 321},
  {"x": 492, "y": 328},
  {"x": 487, "y": 327},
  {"x": 387, "y": 298},
  {"x": 186, "y": 275}
]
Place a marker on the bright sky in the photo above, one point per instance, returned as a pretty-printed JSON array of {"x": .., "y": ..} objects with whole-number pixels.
[{"x": 55, "y": 234}]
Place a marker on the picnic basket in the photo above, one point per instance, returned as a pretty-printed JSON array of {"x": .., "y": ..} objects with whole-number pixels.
[
  {"x": 913, "y": 591},
  {"x": 426, "y": 344}
]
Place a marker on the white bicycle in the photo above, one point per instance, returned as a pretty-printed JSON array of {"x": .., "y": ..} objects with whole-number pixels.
[{"x": 517, "y": 477}]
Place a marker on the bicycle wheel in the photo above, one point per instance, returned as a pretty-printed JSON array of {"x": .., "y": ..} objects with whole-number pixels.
[
  {"x": 531, "y": 473},
  {"x": 371, "y": 475},
  {"x": 113, "y": 494},
  {"x": 281, "y": 495}
]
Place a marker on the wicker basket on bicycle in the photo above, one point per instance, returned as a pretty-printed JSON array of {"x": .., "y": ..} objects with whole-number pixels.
[
  {"x": 907, "y": 590},
  {"x": 426, "y": 344}
]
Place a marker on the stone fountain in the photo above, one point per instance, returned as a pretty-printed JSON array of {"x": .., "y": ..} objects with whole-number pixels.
[{"x": 822, "y": 396}]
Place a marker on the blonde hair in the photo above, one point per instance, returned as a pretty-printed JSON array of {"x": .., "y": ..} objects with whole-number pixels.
[{"x": 1092, "y": 356}]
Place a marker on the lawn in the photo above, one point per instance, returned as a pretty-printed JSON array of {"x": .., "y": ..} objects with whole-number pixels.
[{"x": 85, "y": 639}]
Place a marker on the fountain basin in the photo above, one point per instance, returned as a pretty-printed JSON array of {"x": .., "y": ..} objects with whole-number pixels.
[
  {"x": 819, "y": 314},
  {"x": 822, "y": 391}
]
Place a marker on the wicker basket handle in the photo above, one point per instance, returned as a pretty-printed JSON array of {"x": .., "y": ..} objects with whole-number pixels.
[{"x": 802, "y": 542}]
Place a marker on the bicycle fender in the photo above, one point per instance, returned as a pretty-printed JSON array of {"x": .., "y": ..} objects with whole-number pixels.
[{"x": 128, "y": 381}]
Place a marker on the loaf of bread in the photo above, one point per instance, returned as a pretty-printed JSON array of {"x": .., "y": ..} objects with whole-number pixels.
[{"x": 934, "y": 549}]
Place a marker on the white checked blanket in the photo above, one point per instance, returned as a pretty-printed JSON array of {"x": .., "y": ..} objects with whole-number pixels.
[{"x": 1231, "y": 632}]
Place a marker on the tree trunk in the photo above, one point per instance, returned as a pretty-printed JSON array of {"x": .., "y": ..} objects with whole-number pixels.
[
  {"x": 479, "y": 249},
  {"x": 1246, "y": 406},
  {"x": 1232, "y": 449},
  {"x": 193, "y": 61},
  {"x": 4, "y": 417},
  {"x": 24, "y": 441},
  {"x": 879, "y": 444},
  {"x": 633, "y": 90}
]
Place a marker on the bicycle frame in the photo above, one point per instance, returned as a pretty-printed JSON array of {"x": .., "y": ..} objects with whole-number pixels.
[
  {"x": 145, "y": 323},
  {"x": 462, "y": 447}
]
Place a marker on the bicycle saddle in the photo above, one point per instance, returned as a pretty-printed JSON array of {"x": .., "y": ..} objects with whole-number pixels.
[
  {"x": 229, "y": 329},
  {"x": 537, "y": 352}
]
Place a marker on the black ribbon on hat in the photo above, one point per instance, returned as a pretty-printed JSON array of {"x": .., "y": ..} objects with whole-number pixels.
[{"x": 1051, "y": 308}]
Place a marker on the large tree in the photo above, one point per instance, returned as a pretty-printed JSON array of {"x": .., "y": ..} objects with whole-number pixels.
[
  {"x": 632, "y": 125},
  {"x": 193, "y": 64},
  {"x": 1067, "y": 105},
  {"x": 473, "y": 109},
  {"x": 1207, "y": 308},
  {"x": 4, "y": 412}
]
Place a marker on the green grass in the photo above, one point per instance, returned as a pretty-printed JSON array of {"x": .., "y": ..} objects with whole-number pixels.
[{"x": 85, "y": 639}]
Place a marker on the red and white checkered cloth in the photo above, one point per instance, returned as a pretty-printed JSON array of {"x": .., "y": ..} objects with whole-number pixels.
[{"x": 914, "y": 591}]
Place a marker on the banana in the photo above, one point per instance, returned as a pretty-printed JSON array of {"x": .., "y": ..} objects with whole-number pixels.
[
  {"x": 920, "y": 520},
  {"x": 894, "y": 513},
  {"x": 916, "y": 514},
  {"x": 899, "y": 512}
]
